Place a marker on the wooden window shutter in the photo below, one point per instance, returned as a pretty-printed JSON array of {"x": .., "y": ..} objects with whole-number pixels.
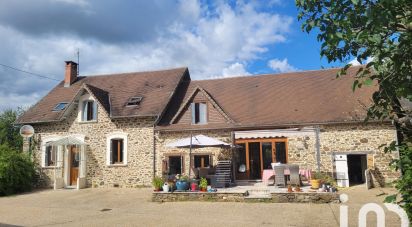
[
  {"x": 111, "y": 152},
  {"x": 94, "y": 110}
]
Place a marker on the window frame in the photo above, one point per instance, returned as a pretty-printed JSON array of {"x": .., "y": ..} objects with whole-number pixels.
[
  {"x": 210, "y": 155},
  {"x": 196, "y": 117},
  {"x": 116, "y": 136},
  {"x": 134, "y": 101},
  {"x": 58, "y": 152},
  {"x": 55, "y": 109},
  {"x": 85, "y": 99}
]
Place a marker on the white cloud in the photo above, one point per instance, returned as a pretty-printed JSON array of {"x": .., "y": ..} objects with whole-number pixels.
[
  {"x": 211, "y": 41},
  {"x": 355, "y": 61},
  {"x": 236, "y": 69},
  {"x": 281, "y": 65}
]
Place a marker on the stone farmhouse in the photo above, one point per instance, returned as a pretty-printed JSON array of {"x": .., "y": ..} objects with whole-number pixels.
[{"x": 119, "y": 126}]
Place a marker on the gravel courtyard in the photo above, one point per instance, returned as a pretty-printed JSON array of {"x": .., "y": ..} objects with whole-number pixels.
[{"x": 132, "y": 207}]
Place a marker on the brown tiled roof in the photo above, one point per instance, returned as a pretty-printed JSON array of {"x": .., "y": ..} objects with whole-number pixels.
[
  {"x": 297, "y": 98},
  {"x": 113, "y": 92}
]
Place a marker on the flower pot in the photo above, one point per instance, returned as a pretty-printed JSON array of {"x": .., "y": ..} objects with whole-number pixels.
[
  {"x": 203, "y": 189},
  {"x": 165, "y": 187},
  {"x": 193, "y": 187},
  {"x": 315, "y": 184},
  {"x": 182, "y": 185}
]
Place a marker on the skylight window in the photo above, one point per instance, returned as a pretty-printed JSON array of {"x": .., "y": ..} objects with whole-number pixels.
[
  {"x": 134, "y": 101},
  {"x": 60, "y": 106}
]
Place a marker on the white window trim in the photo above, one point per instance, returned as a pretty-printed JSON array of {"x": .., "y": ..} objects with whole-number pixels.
[
  {"x": 116, "y": 135},
  {"x": 86, "y": 97},
  {"x": 43, "y": 151}
]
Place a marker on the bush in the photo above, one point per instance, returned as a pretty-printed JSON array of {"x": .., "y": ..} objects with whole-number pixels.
[{"x": 16, "y": 171}]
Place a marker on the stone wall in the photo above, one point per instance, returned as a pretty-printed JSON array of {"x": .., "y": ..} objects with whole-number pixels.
[
  {"x": 294, "y": 197},
  {"x": 342, "y": 138},
  {"x": 164, "y": 138},
  {"x": 139, "y": 168}
]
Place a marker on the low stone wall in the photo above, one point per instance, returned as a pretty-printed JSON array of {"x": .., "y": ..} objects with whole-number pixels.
[
  {"x": 303, "y": 197},
  {"x": 199, "y": 196},
  {"x": 300, "y": 197}
]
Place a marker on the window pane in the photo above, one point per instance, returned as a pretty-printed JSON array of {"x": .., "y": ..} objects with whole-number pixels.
[
  {"x": 175, "y": 165},
  {"x": 90, "y": 110},
  {"x": 202, "y": 113},
  {"x": 241, "y": 157},
  {"x": 196, "y": 113},
  {"x": 267, "y": 155},
  {"x": 117, "y": 151},
  {"x": 201, "y": 161},
  {"x": 280, "y": 152}
]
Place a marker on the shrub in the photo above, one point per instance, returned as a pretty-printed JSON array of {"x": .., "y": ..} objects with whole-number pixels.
[{"x": 16, "y": 171}]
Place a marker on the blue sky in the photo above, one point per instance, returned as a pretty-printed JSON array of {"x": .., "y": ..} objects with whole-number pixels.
[{"x": 213, "y": 38}]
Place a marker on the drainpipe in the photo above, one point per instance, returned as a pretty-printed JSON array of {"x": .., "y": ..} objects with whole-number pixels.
[
  {"x": 154, "y": 152},
  {"x": 190, "y": 153},
  {"x": 232, "y": 149},
  {"x": 317, "y": 145}
]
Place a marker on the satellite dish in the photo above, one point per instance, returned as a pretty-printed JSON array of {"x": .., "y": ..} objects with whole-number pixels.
[{"x": 26, "y": 131}]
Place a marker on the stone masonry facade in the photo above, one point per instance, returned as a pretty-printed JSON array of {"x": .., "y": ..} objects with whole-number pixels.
[
  {"x": 349, "y": 138},
  {"x": 139, "y": 168},
  {"x": 334, "y": 139}
]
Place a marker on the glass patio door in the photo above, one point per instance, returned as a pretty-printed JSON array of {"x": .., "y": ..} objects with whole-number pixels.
[{"x": 255, "y": 155}]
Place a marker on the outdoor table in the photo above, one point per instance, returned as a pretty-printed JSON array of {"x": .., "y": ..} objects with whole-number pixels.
[{"x": 268, "y": 173}]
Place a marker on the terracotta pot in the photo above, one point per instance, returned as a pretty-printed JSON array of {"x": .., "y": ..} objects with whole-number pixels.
[
  {"x": 203, "y": 189},
  {"x": 315, "y": 184}
]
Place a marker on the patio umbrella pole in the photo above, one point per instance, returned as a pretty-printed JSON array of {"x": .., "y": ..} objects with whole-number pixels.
[{"x": 190, "y": 153}]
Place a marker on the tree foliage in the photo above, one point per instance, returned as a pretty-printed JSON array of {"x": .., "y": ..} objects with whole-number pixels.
[
  {"x": 9, "y": 133},
  {"x": 382, "y": 31},
  {"x": 16, "y": 171}
]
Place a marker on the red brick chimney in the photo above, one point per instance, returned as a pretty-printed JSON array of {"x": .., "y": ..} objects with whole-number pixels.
[{"x": 71, "y": 73}]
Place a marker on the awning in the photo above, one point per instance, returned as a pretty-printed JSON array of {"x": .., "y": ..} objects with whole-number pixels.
[
  {"x": 66, "y": 141},
  {"x": 306, "y": 131},
  {"x": 198, "y": 141}
]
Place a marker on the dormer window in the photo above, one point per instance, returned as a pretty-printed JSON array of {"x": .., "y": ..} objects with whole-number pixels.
[
  {"x": 89, "y": 110},
  {"x": 199, "y": 113},
  {"x": 134, "y": 101},
  {"x": 60, "y": 106}
]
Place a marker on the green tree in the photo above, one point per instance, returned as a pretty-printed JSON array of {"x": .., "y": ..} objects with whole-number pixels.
[
  {"x": 381, "y": 30},
  {"x": 9, "y": 133},
  {"x": 17, "y": 171}
]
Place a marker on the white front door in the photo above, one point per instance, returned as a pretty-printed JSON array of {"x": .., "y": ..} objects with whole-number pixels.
[{"x": 342, "y": 176}]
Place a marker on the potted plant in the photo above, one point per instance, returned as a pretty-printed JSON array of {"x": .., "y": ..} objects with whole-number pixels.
[
  {"x": 316, "y": 180},
  {"x": 193, "y": 186},
  {"x": 203, "y": 184},
  {"x": 289, "y": 188},
  {"x": 297, "y": 188},
  {"x": 157, "y": 183},
  {"x": 182, "y": 183}
]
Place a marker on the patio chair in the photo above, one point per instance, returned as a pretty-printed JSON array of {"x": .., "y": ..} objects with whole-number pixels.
[
  {"x": 294, "y": 178},
  {"x": 203, "y": 172},
  {"x": 279, "y": 175}
]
